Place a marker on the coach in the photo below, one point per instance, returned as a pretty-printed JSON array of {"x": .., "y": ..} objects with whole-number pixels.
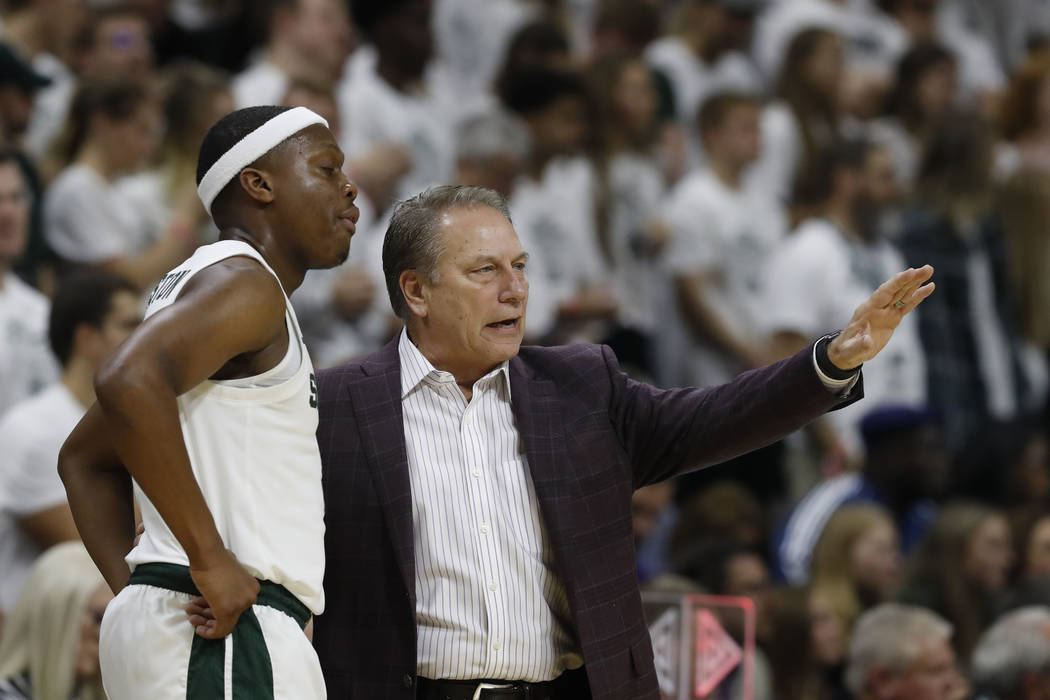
[{"x": 478, "y": 493}]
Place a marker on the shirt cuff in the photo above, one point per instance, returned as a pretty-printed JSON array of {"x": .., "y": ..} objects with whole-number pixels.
[{"x": 840, "y": 387}]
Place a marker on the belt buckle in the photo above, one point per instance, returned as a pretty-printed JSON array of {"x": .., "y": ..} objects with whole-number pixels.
[{"x": 492, "y": 686}]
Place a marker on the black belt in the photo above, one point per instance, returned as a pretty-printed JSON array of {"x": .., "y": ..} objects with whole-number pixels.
[{"x": 571, "y": 685}]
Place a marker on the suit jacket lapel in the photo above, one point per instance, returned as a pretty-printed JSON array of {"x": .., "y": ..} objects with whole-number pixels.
[
  {"x": 377, "y": 399},
  {"x": 538, "y": 416}
]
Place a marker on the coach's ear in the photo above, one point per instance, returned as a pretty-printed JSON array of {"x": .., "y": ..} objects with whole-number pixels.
[
  {"x": 415, "y": 290},
  {"x": 257, "y": 184}
]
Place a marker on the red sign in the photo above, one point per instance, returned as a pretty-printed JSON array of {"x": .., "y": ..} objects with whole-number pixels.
[{"x": 716, "y": 653}]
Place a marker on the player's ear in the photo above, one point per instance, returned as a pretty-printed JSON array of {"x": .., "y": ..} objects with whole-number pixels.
[{"x": 257, "y": 183}]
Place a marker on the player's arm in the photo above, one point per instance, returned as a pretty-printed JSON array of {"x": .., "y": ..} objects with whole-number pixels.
[
  {"x": 98, "y": 489},
  {"x": 233, "y": 309}
]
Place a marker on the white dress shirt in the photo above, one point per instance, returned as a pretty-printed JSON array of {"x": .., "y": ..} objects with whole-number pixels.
[{"x": 488, "y": 603}]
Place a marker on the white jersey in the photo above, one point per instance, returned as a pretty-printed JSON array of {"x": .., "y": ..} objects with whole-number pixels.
[{"x": 253, "y": 450}]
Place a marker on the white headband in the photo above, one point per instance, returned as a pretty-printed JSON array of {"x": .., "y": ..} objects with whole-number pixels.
[{"x": 251, "y": 148}]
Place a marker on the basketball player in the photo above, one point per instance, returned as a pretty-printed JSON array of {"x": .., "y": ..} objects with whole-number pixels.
[{"x": 211, "y": 408}]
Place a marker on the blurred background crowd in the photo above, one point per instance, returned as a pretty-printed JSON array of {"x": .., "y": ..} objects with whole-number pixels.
[{"x": 705, "y": 185}]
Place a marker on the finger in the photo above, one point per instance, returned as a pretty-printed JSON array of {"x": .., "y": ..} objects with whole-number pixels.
[
  {"x": 204, "y": 612},
  {"x": 917, "y": 296},
  {"x": 918, "y": 278},
  {"x": 888, "y": 290}
]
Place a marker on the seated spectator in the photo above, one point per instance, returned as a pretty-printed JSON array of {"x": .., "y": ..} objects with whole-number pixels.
[
  {"x": 978, "y": 365},
  {"x": 1012, "y": 659},
  {"x": 923, "y": 94},
  {"x": 805, "y": 119},
  {"x": 857, "y": 562},
  {"x": 902, "y": 652},
  {"x": 50, "y": 644},
  {"x": 721, "y": 510},
  {"x": 722, "y": 236},
  {"x": 905, "y": 466},
  {"x": 830, "y": 642},
  {"x": 1031, "y": 537},
  {"x": 960, "y": 570},
  {"x": 303, "y": 37},
  {"x": 87, "y": 220},
  {"x": 91, "y": 315},
  {"x": 26, "y": 366},
  {"x": 833, "y": 260},
  {"x": 786, "y": 637}
]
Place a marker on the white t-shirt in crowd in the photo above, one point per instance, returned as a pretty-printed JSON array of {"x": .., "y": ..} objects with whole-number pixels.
[
  {"x": 554, "y": 219},
  {"x": 261, "y": 83},
  {"x": 814, "y": 282},
  {"x": 471, "y": 38},
  {"x": 87, "y": 219},
  {"x": 374, "y": 113},
  {"x": 26, "y": 362},
  {"x": 636, "y": 191},
  {"x": 728, "y": 234},
  {"x": 774, "y": 171},
  {"x": 32, "y": 434},
  {"x": 693, "y": 81}
]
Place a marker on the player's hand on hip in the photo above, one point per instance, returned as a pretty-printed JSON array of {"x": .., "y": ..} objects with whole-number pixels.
[
  {"x": 875, "y": 320},
  {"x": 227, "y": 590}
]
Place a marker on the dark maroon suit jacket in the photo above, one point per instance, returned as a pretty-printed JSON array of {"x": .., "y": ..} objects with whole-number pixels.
[{"x": 591, "y": 436}]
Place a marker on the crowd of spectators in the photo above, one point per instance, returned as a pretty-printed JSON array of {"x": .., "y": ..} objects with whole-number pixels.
[{"x": 704, "y": 185}]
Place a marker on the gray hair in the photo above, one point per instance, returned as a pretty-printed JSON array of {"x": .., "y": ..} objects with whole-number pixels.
[
  {"x": 1017, "y": 644},
  {"x": 890, "y": 637},
  {"x": 412, "y": 241},
  {"x": 491, "y": 134}
]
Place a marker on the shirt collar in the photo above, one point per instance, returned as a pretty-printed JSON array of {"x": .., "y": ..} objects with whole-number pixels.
[{"x": 415, "y": 368}]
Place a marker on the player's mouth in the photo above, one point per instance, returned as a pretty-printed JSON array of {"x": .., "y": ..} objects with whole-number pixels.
[{"x": 349, "y": 219}]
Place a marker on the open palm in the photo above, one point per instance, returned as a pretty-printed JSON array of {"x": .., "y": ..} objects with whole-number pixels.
[{"x": 875, "y": 320}]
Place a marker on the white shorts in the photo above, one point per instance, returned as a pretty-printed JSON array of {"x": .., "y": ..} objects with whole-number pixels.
[{"x": 148, "y": 649}]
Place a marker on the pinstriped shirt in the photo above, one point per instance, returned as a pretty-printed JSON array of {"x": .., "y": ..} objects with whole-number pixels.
[{"x": 488, "y": 603}]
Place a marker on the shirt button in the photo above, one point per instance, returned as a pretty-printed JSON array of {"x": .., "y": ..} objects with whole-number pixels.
[
  {"x": 497, "y": 646},
  {"x": 484, "y": 529},
  {"x": 492, "y": 585},
  {"x": 476, "y": 472}
]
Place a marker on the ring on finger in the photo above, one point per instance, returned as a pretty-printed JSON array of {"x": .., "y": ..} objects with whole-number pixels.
[{"x": 898, "y": 305}]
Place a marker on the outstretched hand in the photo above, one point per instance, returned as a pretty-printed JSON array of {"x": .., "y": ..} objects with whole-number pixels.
[
  {"x": 875, "y": 320},
  {"x": 227, "y": 590}
]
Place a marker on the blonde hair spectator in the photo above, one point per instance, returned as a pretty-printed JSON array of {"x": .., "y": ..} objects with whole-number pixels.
[
  {"x": 856, "y": 562},
  {"x": 51, "y": 636}
]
